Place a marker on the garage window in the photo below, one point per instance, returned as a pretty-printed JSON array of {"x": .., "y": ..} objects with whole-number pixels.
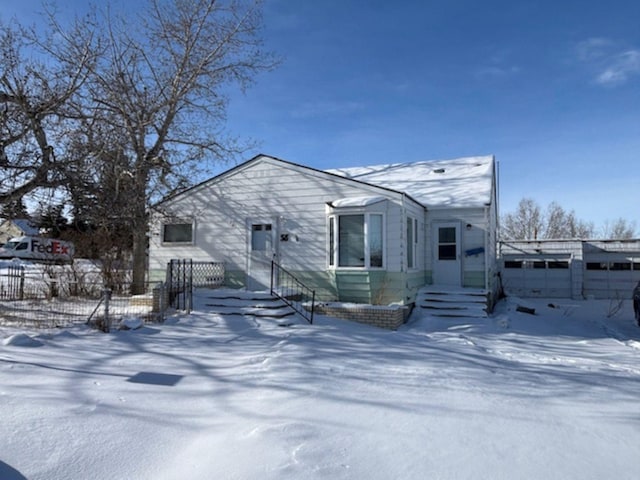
[
  {"x": 620, "y": 266},
  {"x": 596, "y": 265},
  {"x": 558, "y": 264},
  {"x": 513, "y": 264}
]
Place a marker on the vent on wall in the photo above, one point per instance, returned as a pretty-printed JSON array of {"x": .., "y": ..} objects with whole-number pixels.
[{"x": 439, "y": 170}]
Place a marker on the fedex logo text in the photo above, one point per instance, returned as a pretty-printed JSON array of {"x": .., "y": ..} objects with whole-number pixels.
[{"x": 53, "y": 248}]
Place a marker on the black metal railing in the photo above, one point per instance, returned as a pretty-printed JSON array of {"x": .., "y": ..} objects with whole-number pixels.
[
  {"x": 184, "y": 275},
  {"x": 12, "y": 282},
  {"x": 293, "y": 292}
]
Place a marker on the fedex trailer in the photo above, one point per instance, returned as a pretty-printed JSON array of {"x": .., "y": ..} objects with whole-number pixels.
[{"x": 39, "y": 249}]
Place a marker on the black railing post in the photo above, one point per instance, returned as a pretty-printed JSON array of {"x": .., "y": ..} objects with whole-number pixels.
[
  {"x": 292, "y": 291},
  {"x": 313, "y": 305}
]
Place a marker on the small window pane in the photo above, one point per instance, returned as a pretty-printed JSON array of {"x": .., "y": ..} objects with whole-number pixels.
[
  {"x": 375, "y": 240},
  {"x": 559, "y": 264},
  {"x": 178, "y": 233},
  {"x": 351, "y": 241},
  {"x": 261, "y": 237},
  {"x": 447, "y": 235},
  {"x": 332, "y": 245},
  {"x": 410, "y": 243},
  {"x": 596, "y": 265},
  {"x": 539, "y": 264},
  {"x": 447, "y": 252},
  {"x": 513, "y": 264},
  {"x": 620, "y": 266}
]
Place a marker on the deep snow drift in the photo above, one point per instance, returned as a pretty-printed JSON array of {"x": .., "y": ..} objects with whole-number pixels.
[{"x": 552, "y": 396}]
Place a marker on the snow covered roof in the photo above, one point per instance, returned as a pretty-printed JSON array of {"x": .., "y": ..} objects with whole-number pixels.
[
  {"x": 462, "y": 182},
  {"x": 356, "y": 201},
  {"x": 24, "y": 225}
]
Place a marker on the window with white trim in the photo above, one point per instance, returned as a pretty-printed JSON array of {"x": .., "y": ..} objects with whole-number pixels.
[
  {"x": 178, "y": 232},
  {"x": 356, "y": 240}
]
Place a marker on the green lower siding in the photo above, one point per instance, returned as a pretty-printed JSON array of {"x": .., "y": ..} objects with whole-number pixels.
[
  {"x": 473, "y": 280},
  {"x": 415, "y": 281},
  {"x": 369, "y": 287},
  {"x": 373, "y": 287}
]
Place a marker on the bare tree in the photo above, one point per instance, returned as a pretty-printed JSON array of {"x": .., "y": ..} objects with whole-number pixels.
[
  {"x": 619, "y": 229},
  {"x": 528, "y": 223},
  {"x": 558, "y": 223},
  {"x": 161, "y": 86},
  {"x": 38, "y": 80},
  {"x": 525, "y": 223}
]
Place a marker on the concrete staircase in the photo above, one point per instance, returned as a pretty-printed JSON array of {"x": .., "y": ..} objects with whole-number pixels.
[
  {"x": 242, "y": 302},
  {"x": 444, "y": 301}
]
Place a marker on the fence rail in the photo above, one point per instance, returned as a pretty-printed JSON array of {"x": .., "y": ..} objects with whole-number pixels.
[{"x": 293, "y": 292}]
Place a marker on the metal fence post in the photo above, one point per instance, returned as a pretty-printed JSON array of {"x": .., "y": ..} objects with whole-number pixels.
[{"x": 107, "y": 319}]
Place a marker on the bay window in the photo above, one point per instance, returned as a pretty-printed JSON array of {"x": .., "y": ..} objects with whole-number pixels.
[{"x": 356, "y": 240}]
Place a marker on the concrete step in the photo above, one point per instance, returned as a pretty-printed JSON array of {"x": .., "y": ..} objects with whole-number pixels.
[
  {"x": 442, "y": 301},
  {"x": 242, "y": 302}
]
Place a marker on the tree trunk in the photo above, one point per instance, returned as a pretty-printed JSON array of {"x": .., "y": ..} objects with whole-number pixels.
[{"x": 139, "y": 259}]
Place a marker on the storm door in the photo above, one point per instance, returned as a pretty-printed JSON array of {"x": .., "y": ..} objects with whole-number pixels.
[
  {"x": 447, "y": 268},
  {"x": 262, "y": 250}
]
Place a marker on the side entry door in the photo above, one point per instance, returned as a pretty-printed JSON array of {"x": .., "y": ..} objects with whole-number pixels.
[
  {"x": 447, "y": 265},
  {"x": 262, "y": 250}
]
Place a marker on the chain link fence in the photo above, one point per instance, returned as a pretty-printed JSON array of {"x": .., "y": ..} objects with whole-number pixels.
[{"x": 49, "y": 296}]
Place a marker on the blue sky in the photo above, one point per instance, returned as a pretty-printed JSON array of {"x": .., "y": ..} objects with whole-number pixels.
[{"x": 551, "y": 88}]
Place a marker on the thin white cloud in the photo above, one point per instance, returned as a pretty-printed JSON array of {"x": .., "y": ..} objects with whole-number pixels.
[
  {"x": 621, "y": 68},
  {"x": 494, "y": 71},
  {"x": 611, "y": 64},
  {"x": 321, "y": 108},
  {"x": 498, "y": 65},
  {"x": 593, "y": 48}
]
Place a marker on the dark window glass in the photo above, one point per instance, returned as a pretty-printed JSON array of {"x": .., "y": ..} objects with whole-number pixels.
[
  {"x": 513, "y": 264},
  {"x": 596, "y": 266},
  {"x": 446, "y": 252},
  {"x": 559, "y": 264},
  {"x": 177, "y": 233},
  {"x": 620, "y": 266},
  {"x": 447, "y": 235}
]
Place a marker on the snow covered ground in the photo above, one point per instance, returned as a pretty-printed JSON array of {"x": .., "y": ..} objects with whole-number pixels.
[{"x": 554, "y": 395}]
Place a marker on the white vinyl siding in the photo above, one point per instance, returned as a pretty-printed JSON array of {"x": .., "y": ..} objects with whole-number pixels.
[{"x": 298, "y": 197}]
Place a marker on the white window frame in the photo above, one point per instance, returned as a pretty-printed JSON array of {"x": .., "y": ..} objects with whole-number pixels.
[
  {"x": 174, "y": 222},
  {"x": 333, "y": 248}
]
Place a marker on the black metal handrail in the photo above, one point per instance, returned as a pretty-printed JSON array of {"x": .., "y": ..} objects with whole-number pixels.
[{"x": 286, "y": 287}]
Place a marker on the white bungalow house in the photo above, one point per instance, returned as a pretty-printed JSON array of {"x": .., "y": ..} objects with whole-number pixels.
[{"x": 371, "y": 235}]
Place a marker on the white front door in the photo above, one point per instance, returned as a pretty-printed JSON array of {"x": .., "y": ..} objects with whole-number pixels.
[
  {"x": 262, "y": 250},
  {"x": 447, "y": 267}
]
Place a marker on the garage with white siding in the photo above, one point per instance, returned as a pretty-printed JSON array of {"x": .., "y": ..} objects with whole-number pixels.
[
  {"x": 612, "y": 268},
  {"x": 570, "y": 268}
]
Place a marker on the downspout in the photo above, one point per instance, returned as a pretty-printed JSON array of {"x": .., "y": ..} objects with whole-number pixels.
[{"x": 487, "y": 252}]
